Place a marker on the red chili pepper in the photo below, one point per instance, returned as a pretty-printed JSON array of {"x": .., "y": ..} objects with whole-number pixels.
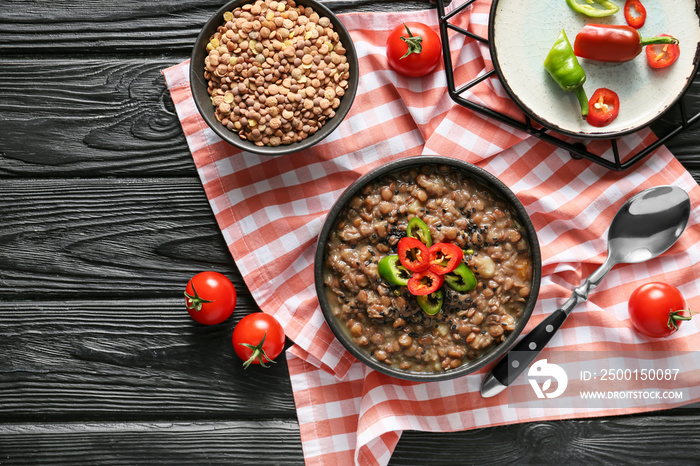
[
  {"x": 413, "y": 254},
  {"x": 613, "y": 43},
  {"x": 662, "y": 55},
  {"x": 603, "y": 107},
  {"x": 635, "y": 13},
  {"x": 444, "y": 257},
  {"x": 425, "y": 282}
]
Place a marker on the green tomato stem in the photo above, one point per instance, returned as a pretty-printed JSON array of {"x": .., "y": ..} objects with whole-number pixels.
[
  {"x": 414, "y": 42},
  {"x": 258, "y": 354},
  {"x": 675, "y": 316},
  {"x": 195, "y": 302}
]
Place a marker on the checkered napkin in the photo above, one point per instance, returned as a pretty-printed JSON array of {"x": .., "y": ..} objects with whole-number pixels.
[{"x": 271, "y": 209}]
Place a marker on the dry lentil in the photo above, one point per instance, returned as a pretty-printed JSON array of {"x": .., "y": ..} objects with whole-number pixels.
[{"x": 260, "y": 51}]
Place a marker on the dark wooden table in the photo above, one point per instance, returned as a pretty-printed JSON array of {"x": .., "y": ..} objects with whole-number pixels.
[{"x": 102, "y": 222}]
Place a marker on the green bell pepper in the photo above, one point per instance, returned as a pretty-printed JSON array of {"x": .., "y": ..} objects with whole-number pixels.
[
  {"x": 391, "y": 270},
  {"x": 461, "y": 279},
  {"x": 563, "y": 66},
  {"x": 431, "y": 303},
  {"x": 418, "y": 229},
  {"x": 594, "y": 8}
]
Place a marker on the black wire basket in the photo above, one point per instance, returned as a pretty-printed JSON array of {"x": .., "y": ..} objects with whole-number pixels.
[{"x": 577, "y": 149}]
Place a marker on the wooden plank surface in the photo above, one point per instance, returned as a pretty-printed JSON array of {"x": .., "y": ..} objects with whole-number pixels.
[
  {"x": 155, "y": 27},
  {"x": 102, "y": 222},
  {"x": 130, "y": 359},
  {"x": 107, "y": 237},
  {"x": 113, "y": 116}
]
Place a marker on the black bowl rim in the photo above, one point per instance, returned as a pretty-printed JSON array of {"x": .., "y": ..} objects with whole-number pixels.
[
  {"x": 553, "y": 126},
  {"x": 478, "y": 173},
  {"x": 205, "y": 108}
]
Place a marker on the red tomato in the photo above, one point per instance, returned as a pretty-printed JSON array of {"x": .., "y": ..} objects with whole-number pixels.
[
  {"x": 413, "y": 49},
  {"x": 635, "y": 13},
  {"x": 444, "y": 257},
  {"x": 603, "y": 107},
  {"x": 258, "y": 338},
  {"x": 210, "y": 298},
  {"x": 413, "y": 254},
  {"x": 662, "y": 55},
  {"x": 425, "y": 282},
  {"x": 657, "y": 309}
]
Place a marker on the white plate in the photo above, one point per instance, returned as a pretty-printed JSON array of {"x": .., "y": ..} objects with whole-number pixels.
[{"x": 521, "y": 33}]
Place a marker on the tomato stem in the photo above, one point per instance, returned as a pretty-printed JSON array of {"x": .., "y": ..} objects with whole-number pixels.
[
  {"x": 195, "y": 302},
  {"x": 258, "y": 353},
  {"x": 414, "y": 42},
  {"x": 676, "y": 316}
]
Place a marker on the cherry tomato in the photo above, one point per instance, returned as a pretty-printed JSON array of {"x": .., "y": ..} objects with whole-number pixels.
[
  {"x": 425, "y": 282},
  {"x": 662, "y": 55},
  {"x": 635, "y": 13},
  {"x": 444, "y": 257},
  {"x": 413, "y": 49},
  {"x": 210, "y": 298},
  {"x": 657, "y": 309},
  {"x": 258, "y": 338},
  {"x": 603, "y": 107},
  {"x": 413, "y": 254}
]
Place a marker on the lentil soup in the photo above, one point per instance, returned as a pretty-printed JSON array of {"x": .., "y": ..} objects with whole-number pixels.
[{"x": 385, "y": 320}]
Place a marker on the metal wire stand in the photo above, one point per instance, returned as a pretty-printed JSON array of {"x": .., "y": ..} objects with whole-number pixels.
[{"x": 576, "y": 149}]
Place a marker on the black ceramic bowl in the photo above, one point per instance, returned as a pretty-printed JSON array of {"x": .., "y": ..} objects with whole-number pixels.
[
  {"x": 474, "y": 172},
  {"x": 203, "y": 101}
]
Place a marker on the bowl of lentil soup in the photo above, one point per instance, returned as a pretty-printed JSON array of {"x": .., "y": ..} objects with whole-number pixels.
[
  {"x": 381, "y": 323},
  {"x": 273, "y": 77}
]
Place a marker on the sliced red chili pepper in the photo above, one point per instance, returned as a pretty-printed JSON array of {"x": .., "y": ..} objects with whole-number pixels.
[
  {"x": 635, "y": 13},
  {"x": 413, "y": 254},
  {"x": 662, "y": 55},
  {"x": 425, "y": 282},
  {"x": 444, "y": 257},
  {"x": 604, "y": 107}
]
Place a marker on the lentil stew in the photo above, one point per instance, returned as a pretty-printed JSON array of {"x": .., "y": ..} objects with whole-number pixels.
[{"x": 382, "y": 323}]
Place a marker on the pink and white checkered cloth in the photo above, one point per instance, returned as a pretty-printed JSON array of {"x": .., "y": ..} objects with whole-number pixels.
[{"x": 271, "y": 210}]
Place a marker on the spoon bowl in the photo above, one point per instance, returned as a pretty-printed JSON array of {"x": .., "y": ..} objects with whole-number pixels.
[{"x": 646, "y": 226}]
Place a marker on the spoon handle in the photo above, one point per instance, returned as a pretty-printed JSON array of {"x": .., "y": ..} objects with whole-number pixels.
[
  {"x": 518, "y": 358},
  {"x": 522, "y": 354}
]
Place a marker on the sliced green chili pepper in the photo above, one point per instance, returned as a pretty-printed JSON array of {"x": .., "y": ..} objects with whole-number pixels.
[
  {"x": 461, "y": 279},
  {"x": 431, "y": 303},
  {"x": 563, "y": 66},
  {"x": 418, "y": 229},
  {"x": 391, "y": 270},
  {"x": 594, "y": 8}
]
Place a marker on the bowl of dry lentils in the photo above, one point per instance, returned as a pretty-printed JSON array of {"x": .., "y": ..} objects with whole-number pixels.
[
  {"x": 427, "y": 268},
  {"x": 273, "y": 77}
]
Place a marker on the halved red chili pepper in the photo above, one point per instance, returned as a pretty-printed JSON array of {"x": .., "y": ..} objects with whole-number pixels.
[
  {"x": 604, "y": 107},
  {"x": 444, "y": 257},
  {"x": 661, "y": 56},
  {"x": 635, "y": 13},
  {"x": 425, "y": 282},
  {"x": 613, "y": 42},
  {"x": 413, "y": 254}
]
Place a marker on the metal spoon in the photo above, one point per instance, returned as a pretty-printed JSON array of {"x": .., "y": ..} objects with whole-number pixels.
[{"x": 647, "y": 225}]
